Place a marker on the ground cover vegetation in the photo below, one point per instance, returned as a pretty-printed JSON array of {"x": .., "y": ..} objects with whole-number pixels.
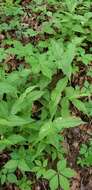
[{"x": 46, "y": 95}]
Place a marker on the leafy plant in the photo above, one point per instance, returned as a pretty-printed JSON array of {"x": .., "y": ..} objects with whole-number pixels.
[
  {"x": 60, "y": 178},
  {"x": 45, "y": 72},
  {"x": 85, "y": 156}
]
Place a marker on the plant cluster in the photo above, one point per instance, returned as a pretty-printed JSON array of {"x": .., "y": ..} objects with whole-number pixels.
[
  {"x": 85, "y": 157},
  {"x": 44, "y": 44}
]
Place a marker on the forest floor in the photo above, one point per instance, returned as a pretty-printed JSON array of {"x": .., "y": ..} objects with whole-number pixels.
[{"x": 49, "y": 26}]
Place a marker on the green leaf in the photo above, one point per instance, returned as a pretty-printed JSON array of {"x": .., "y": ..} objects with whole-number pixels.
[
  {"x": 23, "y": 166},
  {"x": 54, "y": 139},
  {"x": 50, "y": 174},
  {"x": 47, "y": 28},
  {"x": 45, "y": 162},
  {"x": 68, "y": 57},
  {"x": 72, "y": 93},
  {"x": 65, "y": 112},
  {"x": 45, "y": 130},
  {"x": 46, "y": 70},
  {"x": 21, "y": 100},
  {"x": 12, "y": 178},
  {"x": 17, "y": 78},
  {"x": 89, "y": 107},
  {"x": 11, "y": 165},
  {"x": 7, "y": 88},
  {"x": 61, "y": 123},
  {"x": 38, "y": 162},
  {"x": 15, "y": 139},
  {"x": 56, "y": 95},
  {"x": 36, "y": 169},
  {"x": 40, "y": 148},
  {"x": 64, "y": 182},
  {"x": 45, "y": 66},
  {"x": 61, "y": 165},
  {"x": 4, "y": 143},
  {"x": 3, "y": 179},
  {"x": 61, "y": 84},
  {"x": 57, "y": 55},
  {"x": 4, "y": 109},
  {"x": 68, "y": 172},
  {"x": 71, "y": 4},
  {"x": 54, "y": 183},
  {"x": 88, "y": 159},
  {"x": 13, "y": 121},
  {"x": 79, "y": 105}
]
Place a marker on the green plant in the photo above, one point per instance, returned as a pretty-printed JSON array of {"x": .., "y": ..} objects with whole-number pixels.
[
  {"x": 18, "y": 128},
  {"x": 85, "y": 156},
  {"x": 45, "y": 45},
  {"x": 24, "y": 183},
  {"x": 10, "y": 177},
  {"x": 60, "y": 177}
]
